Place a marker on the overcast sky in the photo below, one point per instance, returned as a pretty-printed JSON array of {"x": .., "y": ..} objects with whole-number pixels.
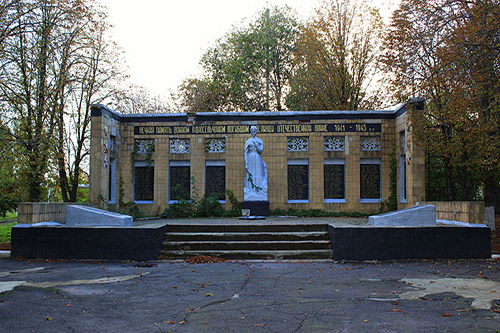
[{"x": 164, "y": 40}]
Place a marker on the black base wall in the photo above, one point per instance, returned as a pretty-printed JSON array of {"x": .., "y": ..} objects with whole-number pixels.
[
  {"x": 257, "y": 208},
  {"x": 351, "y": 243},
  {"x": 87, "y": 243}
]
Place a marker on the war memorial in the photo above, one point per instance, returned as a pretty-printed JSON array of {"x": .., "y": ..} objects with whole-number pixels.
[
  {"x": 329, "y": 160},
  {"x": 334, "y": 161}
]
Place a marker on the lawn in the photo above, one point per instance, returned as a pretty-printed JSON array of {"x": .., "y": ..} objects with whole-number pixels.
[
  {"x": 8, "y": 216},
  {"x": 5, "y": 231}
]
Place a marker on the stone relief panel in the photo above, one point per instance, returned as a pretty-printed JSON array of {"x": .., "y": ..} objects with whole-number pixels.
[
  {"x": 334, "y": 143},
  {"x": 298, "y": 143},
  {"x": 144, "y": 146},
  {"x": 370, "y": 143},
  {"x": 217, "y": 145},
  {"x": 180, "y": 146}
]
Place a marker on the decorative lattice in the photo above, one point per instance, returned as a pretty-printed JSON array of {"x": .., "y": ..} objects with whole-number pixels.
[
  {"x": 144, "y": 146},
  {"x": 370, "y": 143},
  {"x": 298, "y": 143},
  {"x": 334, "y": 143},
  {"x": 215, "y": 145},
  {"x": 180, "y": 146}
]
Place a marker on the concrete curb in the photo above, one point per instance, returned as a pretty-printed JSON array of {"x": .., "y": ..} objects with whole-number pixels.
[{"x": 4, "y": 254}]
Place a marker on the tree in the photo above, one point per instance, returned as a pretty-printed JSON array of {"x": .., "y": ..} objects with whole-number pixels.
[
  {"x": 447, "y": 51},
  {"x": 249, "y": 69},
  {"x": 91, "y": 67},
  {"x": 199, "y": 95},
  {"x": 10, "y": 194},
  {"x": 25, "y": 84},
  {"x": 337, "y": 57},
  {"x": 140, "y": 100},
  {"x": 54, "y": 65}
]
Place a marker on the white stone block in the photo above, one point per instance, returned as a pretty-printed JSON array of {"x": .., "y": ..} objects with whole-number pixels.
[
  {"x": 415, "y": 216},
  {"x": 89, "y": 216}
]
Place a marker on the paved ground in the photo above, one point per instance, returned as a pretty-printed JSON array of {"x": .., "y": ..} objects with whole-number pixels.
[{"x": 250, "y": 296}]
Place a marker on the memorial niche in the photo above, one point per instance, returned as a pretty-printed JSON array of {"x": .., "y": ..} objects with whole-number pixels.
[
  {"x": 144, "y": 183},
  {"x": 298, "y": 182},
  {"x": 215, "y": 181},
  {"x": 370, "y": 181},
  {"x": 180, "y": 182},
  {"x": 334, "y": 181}
]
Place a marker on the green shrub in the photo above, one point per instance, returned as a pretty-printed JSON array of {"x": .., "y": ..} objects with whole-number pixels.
[
  {"x": 182, "y": 208},
  {"x": 209, "y": 206},
  {"x": 128, "y": 208},
  {"x": 314, "y": 212}
]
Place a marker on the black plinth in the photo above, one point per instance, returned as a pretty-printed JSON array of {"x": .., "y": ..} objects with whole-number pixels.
[{"x": 257, "y": 208}]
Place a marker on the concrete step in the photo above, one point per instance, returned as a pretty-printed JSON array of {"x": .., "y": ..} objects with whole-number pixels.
[
  {"x": 247, "y": 236},
  {"x": 252, "y": 254},
  {"x": 214, "y": 228},
  {"x": 247, "y": 245},
  {"x": 248, "y": 241}
]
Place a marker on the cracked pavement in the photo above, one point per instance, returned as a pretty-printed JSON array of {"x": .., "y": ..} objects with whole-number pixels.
[{"x": 250, "y": 296}]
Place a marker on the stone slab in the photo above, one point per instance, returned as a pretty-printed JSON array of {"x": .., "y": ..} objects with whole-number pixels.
[
  {"x": 257, "y": 208},
  {"x": 489, "y": 216},
  {"x": 89, "y": 216},
  {"x": 415, "y": 216}
]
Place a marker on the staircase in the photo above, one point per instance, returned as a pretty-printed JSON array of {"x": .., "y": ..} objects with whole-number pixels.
[{"x": 248, "y": 241}]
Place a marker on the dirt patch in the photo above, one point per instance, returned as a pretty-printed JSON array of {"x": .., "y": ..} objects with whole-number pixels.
[
  {"x": 204, "y": 260},
  {"x": 5, "y": 246}
]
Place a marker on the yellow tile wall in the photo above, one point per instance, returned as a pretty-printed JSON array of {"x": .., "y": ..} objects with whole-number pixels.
[{"x": 275, "y": 155}]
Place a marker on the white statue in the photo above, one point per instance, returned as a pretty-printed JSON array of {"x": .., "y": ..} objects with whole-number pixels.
[{"x": 256, "y": 174}]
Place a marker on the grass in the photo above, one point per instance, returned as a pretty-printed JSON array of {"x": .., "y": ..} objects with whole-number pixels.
[
  {"x": 5, "y": 229},
  {"x": 8, "y": 216}
]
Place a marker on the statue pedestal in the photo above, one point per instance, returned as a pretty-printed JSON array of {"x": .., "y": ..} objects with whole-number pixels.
[{"x": 257, "y": 208}]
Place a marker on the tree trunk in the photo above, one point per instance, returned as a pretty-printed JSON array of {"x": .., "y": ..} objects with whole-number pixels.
[{"x": 492, "y": 195}]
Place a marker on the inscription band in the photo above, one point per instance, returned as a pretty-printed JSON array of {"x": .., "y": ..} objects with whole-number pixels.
[{"x": 263, "y": 129}]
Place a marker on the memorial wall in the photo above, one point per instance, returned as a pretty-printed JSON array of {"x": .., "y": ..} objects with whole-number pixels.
[{"x": 330, "y": 160}]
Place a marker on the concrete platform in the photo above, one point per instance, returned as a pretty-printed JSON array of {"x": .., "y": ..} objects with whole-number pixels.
[{"x": 351, "y": 238}]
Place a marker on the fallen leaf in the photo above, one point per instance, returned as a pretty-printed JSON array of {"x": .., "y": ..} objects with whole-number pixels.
[
  {"x": 365, "y": 320},
  {"x": 182, "y": 322},
  {"x": 395, "y": 303},
  {"x": 394, "y": 310},
  {"x": 208, "y": 294},
  {"x": 68, "y": 304},
  {"x": 444, "y": 314},
  {"x": 48, "y": 318},
  {"x": 170, "y": 322}
]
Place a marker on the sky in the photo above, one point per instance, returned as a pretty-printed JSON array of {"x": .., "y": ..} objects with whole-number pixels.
[{"x": 164, "y": 40}]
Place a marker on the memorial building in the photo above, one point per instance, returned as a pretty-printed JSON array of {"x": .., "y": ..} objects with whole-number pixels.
[{"x": 329, "y": 160}]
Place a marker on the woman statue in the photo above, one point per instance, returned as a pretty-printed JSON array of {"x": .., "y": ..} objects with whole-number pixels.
[{"x": 256, "y": 174}]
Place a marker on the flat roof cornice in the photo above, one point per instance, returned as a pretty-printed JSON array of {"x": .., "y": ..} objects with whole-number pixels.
[{"x": 389, "y": 113}]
